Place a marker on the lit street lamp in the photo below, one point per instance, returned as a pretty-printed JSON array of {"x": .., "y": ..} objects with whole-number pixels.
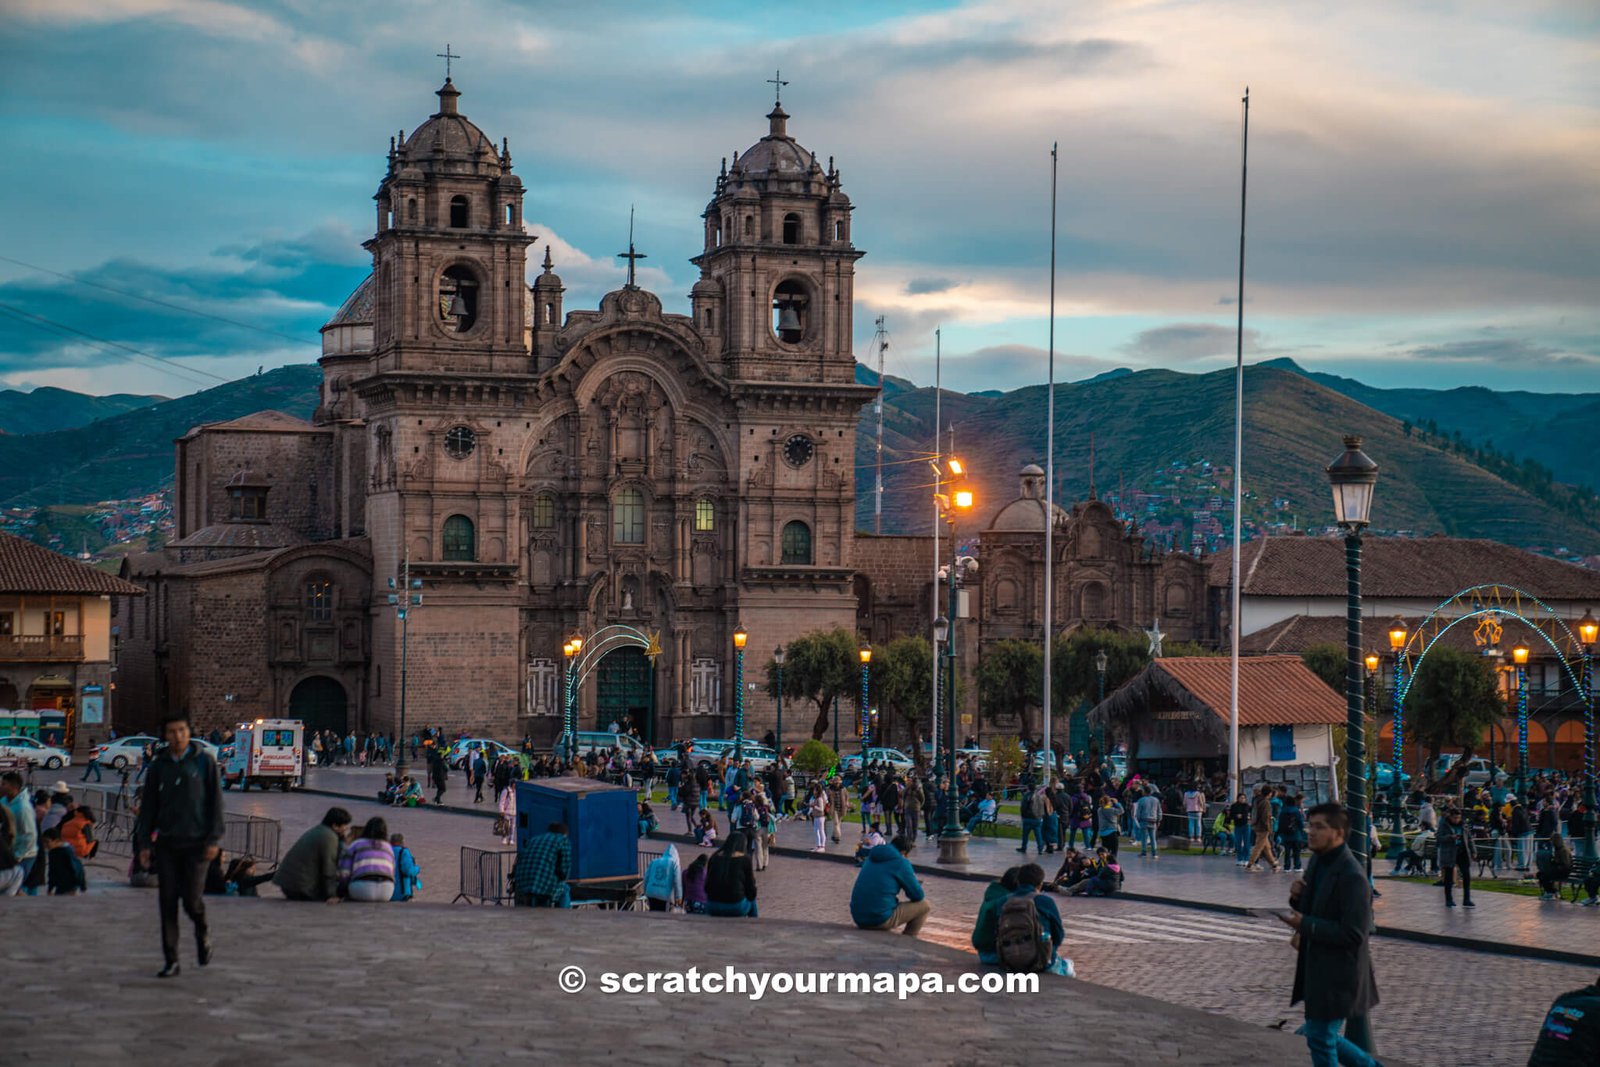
[
  {"x": 1588, "y": 631},
  {"x": 1519, "y": 656},
  {"x": 1397, "y": 645},
  {"x": 861, "y": 709},
  {"x": 778, "y": 656},
  {"x": 740, "y": 636},
  {"x": 569, "y": 716},
  {"x": 1353, "y": 476}
]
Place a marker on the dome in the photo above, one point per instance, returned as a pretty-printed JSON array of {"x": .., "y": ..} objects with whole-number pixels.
[
  {"x": 447, "y": 137},
  {"x": 1026, "y": 513},
  {"x": 357, "y": 308},
  {"x": 777, "y": 156}
]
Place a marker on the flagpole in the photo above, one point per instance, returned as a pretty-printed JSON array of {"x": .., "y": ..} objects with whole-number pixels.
[
  {"x": 1050, "y": 478},
  {"x": 1234, "y": 622},
  {"x": 938, "y": 487}
]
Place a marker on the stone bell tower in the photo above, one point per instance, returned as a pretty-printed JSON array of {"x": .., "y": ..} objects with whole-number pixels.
[
  {"x": 450, "y": 253},
  {"x": 777, "y": 274}
]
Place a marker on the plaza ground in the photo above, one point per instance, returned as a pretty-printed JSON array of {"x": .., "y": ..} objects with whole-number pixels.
[{"x": 1235, "y": 966}]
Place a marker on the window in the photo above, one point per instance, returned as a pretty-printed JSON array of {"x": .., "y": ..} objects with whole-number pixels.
[
  {"x": 247, "y": 504},
  {"x": 319, "y": 600},
  {"x": 749, "y": 225},
  {"x": 411, "y": 210},
  {"x": 458, "y": 212},
  {"x": 789, "y": 302},
  {"x": 460, "y": 543},
  {"x": 549, "y": 313},
  {"x": 458, "y": 299},
  {"x": 797, "y": 543},
  {"x": 58, "y": 623},
  {"x": 627, "y": 517},
  {"x": 838, "y": 230},
  {"x": 1281, "y": 739},
  {"x": 705, "y": 515},
  {"x": 791, "y": 229},
  {"x": 511, "y": 215},
  {"x": 544, "y": 511},
  {"x": 8, "y": 624}
]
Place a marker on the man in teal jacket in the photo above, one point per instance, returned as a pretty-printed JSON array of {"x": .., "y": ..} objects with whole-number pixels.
[{"x": 875, "y": 901}]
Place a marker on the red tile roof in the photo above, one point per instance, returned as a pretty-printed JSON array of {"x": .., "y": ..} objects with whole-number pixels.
[
  {"x": 28, "y": 568},
  {"x": 1426, "y": 567},
  {"x": 1299, "y": 632},
  {"x": 1273, "y": 690}
]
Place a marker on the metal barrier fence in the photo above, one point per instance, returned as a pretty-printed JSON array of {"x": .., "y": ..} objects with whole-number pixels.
[
  {"x": 243, "y": 835},
  {"x": 486, "y": 874}
]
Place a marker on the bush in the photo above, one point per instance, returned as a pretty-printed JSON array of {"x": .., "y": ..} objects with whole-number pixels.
[{"x": 815, "y": 758}]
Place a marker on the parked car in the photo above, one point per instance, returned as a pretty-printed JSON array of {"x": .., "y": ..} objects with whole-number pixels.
[
  {"x": 605, "y": 740},
  {"x": 1383, "y": 775},
  {"x": 704, "y": 751},
  {"x": 893, "y": 756},
  {"x": 124, "y": 752},
  {"x": 37, "y": 753},
  {"x": 458, "y": 753},
  {"x": 1481, "y": 772}
]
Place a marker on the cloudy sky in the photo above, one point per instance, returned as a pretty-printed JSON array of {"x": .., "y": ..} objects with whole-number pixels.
[{"x": 1424, "y": 177}]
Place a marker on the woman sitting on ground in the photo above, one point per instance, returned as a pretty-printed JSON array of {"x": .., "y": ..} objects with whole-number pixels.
[
  {"x": 366, "y": 867},
  {"x": 694, "y": 886},
  {"x": 705, "y": 832},
  {"x": 731, "y": 880},
  {"x": 408, "y": 793},
  {"x": 647, "y": 819}
]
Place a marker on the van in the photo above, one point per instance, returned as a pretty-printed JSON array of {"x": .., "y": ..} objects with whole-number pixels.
[
  {"x": 605, "y": 740},
  {"x": 264, "y": 753}
]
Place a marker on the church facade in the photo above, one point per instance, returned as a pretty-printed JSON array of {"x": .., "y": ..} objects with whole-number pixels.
[{"x": 541, "y": 473}]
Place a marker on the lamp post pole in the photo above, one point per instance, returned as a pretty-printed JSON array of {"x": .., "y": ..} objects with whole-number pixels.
[
  {"x": 1397, "y": 645},
  {"x": 1352, "y": 477},
  {"x": 1519, "y": 656},
  {"x": 405, "y": 594},
  {"x": 861, "y": 708},
  {"x": 778, "y": 656},
  {"x": 1588, "y": 631},
  {"x": 740, "y": 636},
  {"x": 1100, "y": 662}
]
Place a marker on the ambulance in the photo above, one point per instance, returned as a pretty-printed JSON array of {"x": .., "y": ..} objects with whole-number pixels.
[{"x": 265, "y": 753}]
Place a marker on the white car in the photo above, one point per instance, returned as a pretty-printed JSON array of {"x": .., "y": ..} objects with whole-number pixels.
[
  {"x": 36, "y": 753},
  {"x": 124, "y": 752},
  {"x": 892, "y": 756},
  {"x": 605, "y": 741},
  {"x": 492, "y": 751},
  {"x": 705, "y": 751}
]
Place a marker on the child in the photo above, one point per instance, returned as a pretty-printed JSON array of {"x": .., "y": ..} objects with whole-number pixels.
[
  {"x": 407, "y": 872},
  {"x": 647, "y": 819},
  {"x": 706, "y": 832},
  {"x": 65, "y": 876}
]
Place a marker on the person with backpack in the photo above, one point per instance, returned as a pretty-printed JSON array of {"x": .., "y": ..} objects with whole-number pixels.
[
  {"x": 1029, "y": 932},
  {"x": 1031, "y": 822},
  {"x": 875, "y": 899},
  {"x": 1147, "y": 822},
  {"x": 1570, "y": 1036},
  {"x": 1292, "y": 833},
  {"x": 663, "y": 881},
  {"x": 987, "y": 926},
  {"x": 407, "y": 872}
]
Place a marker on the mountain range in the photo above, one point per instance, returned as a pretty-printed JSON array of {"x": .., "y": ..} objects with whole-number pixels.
[{"x": 1142, "y": 423}]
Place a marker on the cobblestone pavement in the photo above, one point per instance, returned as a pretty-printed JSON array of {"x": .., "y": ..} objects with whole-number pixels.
[
  {"x": 299, "y": 984},
  {"x": 1499, "y": 918}
]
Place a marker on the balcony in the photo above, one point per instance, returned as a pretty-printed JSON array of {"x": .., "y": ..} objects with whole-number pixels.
[{"x": 41, "y": 648}]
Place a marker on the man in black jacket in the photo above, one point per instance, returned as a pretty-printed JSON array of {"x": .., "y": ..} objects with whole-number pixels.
[
  {"x": 1332, "y": 918},
  {"x": 1570, "y": 1036},
  {"x": 180, "y": 814}
]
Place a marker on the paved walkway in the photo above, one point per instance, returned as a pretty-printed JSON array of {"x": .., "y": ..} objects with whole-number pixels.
[
  {"x": 438, "y": 984},
  {"x": 1501, "y": 922}
]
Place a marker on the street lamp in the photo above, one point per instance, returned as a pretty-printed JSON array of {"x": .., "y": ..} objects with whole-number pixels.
[
  {"x": 569, "y": 727},
  {"x": 1100, "y": 662},
  {"x": 1519, "y": 656},
  {"x": 778, "y": 656},
  {"x": 1397, "y": 645},
  {"x": 1588, "y": 631},
  {"x": 405, "y": 594},
  {"x": 953, "y": 838},
  {"x": 740, "y": 636},
  {"x": 865, "y": 653},
  {"x": 1352, "y": 477}
]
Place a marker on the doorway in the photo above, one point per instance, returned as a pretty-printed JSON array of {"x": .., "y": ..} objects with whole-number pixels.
[
  {"x": 624, "y": 692},
  {"x": 319, "y": 702}
]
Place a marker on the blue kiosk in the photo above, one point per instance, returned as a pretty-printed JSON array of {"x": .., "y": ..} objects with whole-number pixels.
[{"x": 601, "y": 821}]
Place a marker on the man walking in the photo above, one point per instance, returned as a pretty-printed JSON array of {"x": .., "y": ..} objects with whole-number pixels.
[
  {"x": 1332, "y": 919},
  {"x": 1261, "y": 823},
  {"x": 92, "y": 766},
  {"x": 180, "y": 820}
]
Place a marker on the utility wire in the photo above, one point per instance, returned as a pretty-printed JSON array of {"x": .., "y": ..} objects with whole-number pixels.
[{"x": 42, "y": 322}]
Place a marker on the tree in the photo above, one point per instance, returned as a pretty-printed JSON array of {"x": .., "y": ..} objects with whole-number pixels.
[
  {"x": 819, "y": 666},
  {"x": 815, "y": 758},
  {"x": 1328, "y": 662},
  {"x": 903, "y": 673},
  {"x": 1010, "y": 677},
  {"x": 1005, "y": 760},
  {"x": 1452, "y": 701},
  {"x": 1074, "y": 677}
]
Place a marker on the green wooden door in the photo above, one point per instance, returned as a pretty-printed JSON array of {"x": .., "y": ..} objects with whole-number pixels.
[{"x": 623, "y": 692}]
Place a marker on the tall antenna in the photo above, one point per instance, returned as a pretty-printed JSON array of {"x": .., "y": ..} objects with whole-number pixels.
[
  {"x": 1050, "y": 477},
  {"x": 881, "y": 338},
  {"x": 1238, "y": 472},
  {"x": 938, "y": 487}
]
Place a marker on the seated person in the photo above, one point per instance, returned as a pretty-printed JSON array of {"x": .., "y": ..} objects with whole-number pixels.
[
  {"x": 64, "y": 876},
  {"x": 1074, "y": 869},
  {"x": 647, "y": 819},
  {"x": 1101, "y": 878},
  {"x": 871, "y": 838},
  {"x": 409, "y": 793},
  {"x": 1013, "y": 918},
  {"x": 310, "y": 869},
  {"x": 985, "y": 813},
  {"x": 988, "y": 924},
  {"x": 386, "y": 795},
  {"x": 731, "y": 880},
  {"x": 694, "y": 886},
  {"x": 875, "y": 900}
]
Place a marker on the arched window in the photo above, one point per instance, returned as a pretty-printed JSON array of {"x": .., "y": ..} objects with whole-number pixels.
[
  {"x": 627, "y": 517},
  {"x": 511, "y": 214},
  {"x": 749, "y": 225},
  {"x": 460, "y": 540},
  {"x": 838, "y": 230},
  {"x": 458, "y": 212},
  {"x": 791, "y": 229},
  {"x": 1093, "y": 601},
  {"x": 319, "y": 599},
  {"x": 790, "y": 302},
  {"x": 549, "y": 313},
  {"x": 705, "y": 515},
  {"x": 797, "y": 543},
  {"x": 411, "y": 209},
  {"x": 458, "y": 298},
  {"x": 544, "y": 511}
]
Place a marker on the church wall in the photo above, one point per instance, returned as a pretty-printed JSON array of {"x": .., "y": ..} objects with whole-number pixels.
[{"x": 298, "y": 466}]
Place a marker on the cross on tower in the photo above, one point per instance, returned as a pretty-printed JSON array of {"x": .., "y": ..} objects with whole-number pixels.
[
  {"x": 776, "y": 81},
  {"x": 447, "y": 56},
  {"x": 630, "y": 255}
]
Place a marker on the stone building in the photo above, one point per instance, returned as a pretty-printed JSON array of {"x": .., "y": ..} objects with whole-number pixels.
[{"x": 542, "y": 473}]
